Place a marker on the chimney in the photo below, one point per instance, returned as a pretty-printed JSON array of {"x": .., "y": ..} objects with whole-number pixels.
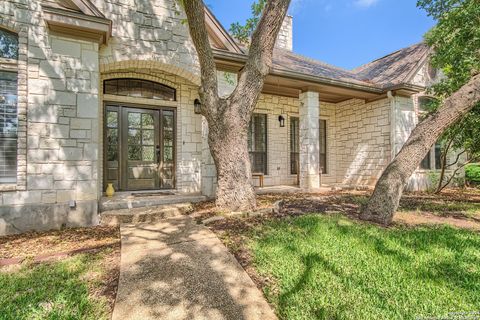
[{"x": 285, "y": 36}]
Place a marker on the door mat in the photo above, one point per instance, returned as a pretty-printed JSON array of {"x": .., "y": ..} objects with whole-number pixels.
[{"x": 153, "y": 194}]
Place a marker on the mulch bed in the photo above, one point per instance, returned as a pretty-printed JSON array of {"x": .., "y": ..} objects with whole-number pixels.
[
  {"x": 34, "y": 244},
  {"x": 233, "y": 231}
]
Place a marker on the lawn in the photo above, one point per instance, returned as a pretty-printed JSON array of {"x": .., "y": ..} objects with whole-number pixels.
[
  {"x": 69, "y": 284},
  {"x": 332, "y": 267}
]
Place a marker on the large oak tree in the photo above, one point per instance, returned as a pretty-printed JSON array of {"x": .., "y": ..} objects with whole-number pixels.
[
  {"x": 228, "y": 118},
  {"x": 455, "y": 41}
]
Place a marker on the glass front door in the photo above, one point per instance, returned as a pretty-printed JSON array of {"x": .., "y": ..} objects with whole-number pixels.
[{"x": 139, "y": 148}]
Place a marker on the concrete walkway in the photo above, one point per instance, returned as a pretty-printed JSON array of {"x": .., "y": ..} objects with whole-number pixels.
[{"x": 176, "y": 269}]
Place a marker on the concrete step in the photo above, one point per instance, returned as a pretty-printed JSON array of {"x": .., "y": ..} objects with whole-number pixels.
[
  {"x": 129, "y": 201},
  {"x": 145, "y": 214}
]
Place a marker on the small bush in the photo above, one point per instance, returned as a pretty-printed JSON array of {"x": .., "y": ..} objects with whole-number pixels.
[{"x": 472, "y": 174}]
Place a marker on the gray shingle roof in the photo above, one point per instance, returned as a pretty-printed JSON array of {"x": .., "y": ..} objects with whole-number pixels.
[
  {"x": 385, "y": 72},
  {"x": 394, "y": 68},
  {"x": 289, "y": 61}
]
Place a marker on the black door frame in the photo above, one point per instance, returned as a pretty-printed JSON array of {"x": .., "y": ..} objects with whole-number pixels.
[{"x": 121, "y": 144}]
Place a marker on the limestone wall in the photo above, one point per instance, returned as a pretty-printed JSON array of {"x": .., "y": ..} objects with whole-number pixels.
[
  {"x": 62, "y": 132},
  {"x": 149, "y": 31},
  {"x": 362, "y": 141}
]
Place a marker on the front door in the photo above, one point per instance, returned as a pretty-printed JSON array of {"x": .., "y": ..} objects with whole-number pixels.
[{"x": 139, "y": 149}]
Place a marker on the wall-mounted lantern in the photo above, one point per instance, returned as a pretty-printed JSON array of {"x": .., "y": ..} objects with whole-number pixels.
[
  {"x": 281, "y": 120},
  {"x": 197, "y": 106}
]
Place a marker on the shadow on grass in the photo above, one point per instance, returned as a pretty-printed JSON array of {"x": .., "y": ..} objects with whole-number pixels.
[
  {"x": 56, "y": 290},
  {"x": 344, "y": 269}
]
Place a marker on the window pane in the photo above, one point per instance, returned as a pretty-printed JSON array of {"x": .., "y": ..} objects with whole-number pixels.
[
  {"x": 148, "y": 137},
  {"x": 323, "y": 145},
  {"x": 438, "y": 156},
  {"x": 8, "y": 127},
  {"x": 257, "y": 143},
  {"x": 112, "y": 152},
  {"x": 294, "y": 145},
  {"x": 112, "y": 119},
  {"x": 8, "y": 45},
  {"x": 134, "y": 119},
  {"x": 148, "y": 153},
  {"x": 425, "y": 164},
  {"x": 147, "y": 121},
  {"x": 134, "y": 137},
  {"x": 139, "y": 88}
]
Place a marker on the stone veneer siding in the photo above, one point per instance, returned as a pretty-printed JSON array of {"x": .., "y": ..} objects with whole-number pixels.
[{"x": 62, "y": 137}]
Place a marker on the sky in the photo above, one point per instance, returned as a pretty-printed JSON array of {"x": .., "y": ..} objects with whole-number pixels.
[{"x": 345, "y": 33}]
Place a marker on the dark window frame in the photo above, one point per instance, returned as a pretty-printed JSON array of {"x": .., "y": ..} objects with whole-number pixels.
[
  {"x": 323, "y": 156},
  {"x": 139, "y": 88},
  {"x": 259, "y": 157},
  {"x": 294, "y": 145},
  {"x": 9, "y": 109}
]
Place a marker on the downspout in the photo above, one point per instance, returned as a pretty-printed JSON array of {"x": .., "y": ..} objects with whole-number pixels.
[{"x": 393, "y": 124}]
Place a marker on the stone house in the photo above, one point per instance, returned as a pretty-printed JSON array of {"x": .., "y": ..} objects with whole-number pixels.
[{"x": 103, "y": 91}]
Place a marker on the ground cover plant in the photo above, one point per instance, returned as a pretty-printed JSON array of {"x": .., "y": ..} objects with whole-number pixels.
[
  {"x": 69, "y": 283},
  {"x": 315, "y": 259}
]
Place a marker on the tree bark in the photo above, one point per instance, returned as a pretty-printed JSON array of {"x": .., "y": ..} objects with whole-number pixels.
[
  {"x": 228, "y": 118},
  {"x": 386, "y": 197}
]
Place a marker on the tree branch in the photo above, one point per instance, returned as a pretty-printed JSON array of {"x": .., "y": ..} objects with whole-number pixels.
[
  {"x": 195, "y": 10},
  {"x": 259, "y": 61},
  {"x": 456, "y": 160}
]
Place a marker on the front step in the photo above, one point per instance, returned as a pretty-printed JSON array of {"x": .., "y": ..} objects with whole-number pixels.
[
  {"x": 144, "y": 215},
  {"x": 130, "y": 201}
]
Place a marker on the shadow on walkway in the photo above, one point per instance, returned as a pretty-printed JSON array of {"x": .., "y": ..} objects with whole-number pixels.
[{"x": 176, "y": 269}]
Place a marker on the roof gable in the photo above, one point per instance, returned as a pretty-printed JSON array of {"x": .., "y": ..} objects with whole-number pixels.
[
  {"x": 396, "y": 68},
  {"x": 79, "y": 6},
  {"x": 219, "y": 37}
]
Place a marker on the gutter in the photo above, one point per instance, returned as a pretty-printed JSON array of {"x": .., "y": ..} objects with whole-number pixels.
[{"x": 242, "y": 59}]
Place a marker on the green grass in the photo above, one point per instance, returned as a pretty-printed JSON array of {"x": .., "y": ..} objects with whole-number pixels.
[
  {"x": 329, "y": 267},
  {"x": 58, "y": 290}
]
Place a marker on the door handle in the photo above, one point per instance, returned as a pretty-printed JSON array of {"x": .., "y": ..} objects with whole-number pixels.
[{"x": 158, "y": 154}]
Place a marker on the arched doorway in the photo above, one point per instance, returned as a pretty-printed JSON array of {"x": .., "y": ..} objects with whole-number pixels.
[{"x": 139, "y": 148}]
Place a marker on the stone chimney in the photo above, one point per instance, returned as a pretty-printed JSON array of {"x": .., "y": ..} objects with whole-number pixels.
[{"x": 285, "y": 36}]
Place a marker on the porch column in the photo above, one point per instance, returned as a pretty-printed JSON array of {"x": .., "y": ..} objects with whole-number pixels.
[{"x": 309, "y": 140}]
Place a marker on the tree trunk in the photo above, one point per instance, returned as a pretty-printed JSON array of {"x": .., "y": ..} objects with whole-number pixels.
[
  {"x": 386, "y": 197},
  {"x": 228, "y": 118},
  {"x": 227, "y": 138}
]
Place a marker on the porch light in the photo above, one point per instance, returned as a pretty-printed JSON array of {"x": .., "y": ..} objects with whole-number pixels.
[
  {"x": 281, "y": 119},
  {"x": 197, "y": 106}
]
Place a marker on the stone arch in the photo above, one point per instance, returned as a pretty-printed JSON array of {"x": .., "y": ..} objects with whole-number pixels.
[{"x": 147, "y": 69}]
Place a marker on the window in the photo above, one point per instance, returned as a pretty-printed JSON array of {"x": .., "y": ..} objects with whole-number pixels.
[
  {"x": 139, "y": 89},
  {"x": 438, "y": 156},
  {"x": 8, "y": 109},
  {"x": 257, "y": 143},
  {"x": 294, "y": 145},
  {"x": 426, "y": 163},
  {"x": 8, "y": 45},
  {"x": 323, "y": 146}
]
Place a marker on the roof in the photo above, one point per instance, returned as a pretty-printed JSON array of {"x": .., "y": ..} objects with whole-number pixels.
[
  {"x": 395, "y": 68},
  {"x": 289, "y": 61}
]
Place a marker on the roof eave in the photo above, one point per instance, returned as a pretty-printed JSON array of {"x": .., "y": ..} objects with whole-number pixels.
[
  {"x": 97, "y": 29},
  {"x": 242, "y": 58}
]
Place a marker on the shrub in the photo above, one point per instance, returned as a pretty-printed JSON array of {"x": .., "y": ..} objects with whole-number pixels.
[{"x": 472, "y": 174}]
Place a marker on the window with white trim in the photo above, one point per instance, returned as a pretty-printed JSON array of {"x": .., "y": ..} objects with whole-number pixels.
[{"x": 8, "y": 107}]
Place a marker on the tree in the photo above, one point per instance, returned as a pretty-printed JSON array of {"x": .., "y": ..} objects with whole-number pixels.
[
  {"x": 455, "y": 41},
  {"x": 228, "y": 118}
]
